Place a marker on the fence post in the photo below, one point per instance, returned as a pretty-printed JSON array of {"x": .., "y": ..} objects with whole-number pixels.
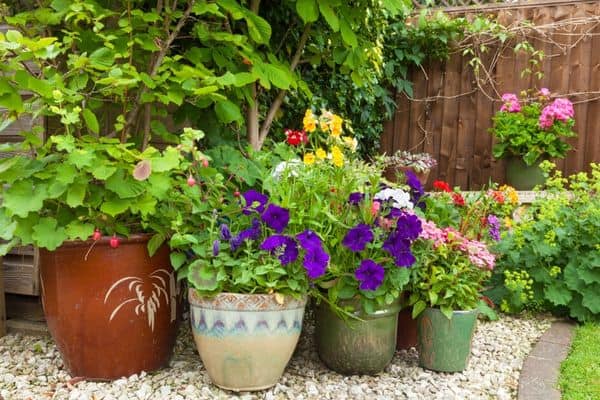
[{"x": 2, "y": 302}]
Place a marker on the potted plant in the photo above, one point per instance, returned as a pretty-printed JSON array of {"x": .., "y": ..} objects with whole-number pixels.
[
  {"x": 248, "y": 274},
  {"x": 401, "y": 161},
  {"x": 97, "y": 195},
  {"x": 530, "y": 130},
  {"x": 100, "y": 212},
  {"x": 365, "y": 236},
  {"x": 453, "y": 262}
]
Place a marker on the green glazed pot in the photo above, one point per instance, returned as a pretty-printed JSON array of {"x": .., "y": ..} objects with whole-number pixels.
[
  {"x": 445, "y": 344},
  {"x": 522, "y": 176},
  {"x": 355, "y": 347}
]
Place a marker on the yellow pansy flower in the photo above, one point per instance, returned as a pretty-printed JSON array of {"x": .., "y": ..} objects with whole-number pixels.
[
  {"x": 337, "y": 157},
  {"x": 321, "y": 154},
  {"x": 309, "y": 158},
  {"x": 309, "y": 121},
  {"x": 511, "y": 193}
]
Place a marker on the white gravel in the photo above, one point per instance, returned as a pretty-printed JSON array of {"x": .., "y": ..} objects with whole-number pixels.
[{"x": 31, "y": 368}]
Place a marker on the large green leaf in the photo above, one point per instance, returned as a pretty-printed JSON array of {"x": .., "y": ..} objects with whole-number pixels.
[
  {"x": 103, "y": 171},
  {"x": 79, "y": 230},
  {"x": 114, "y": 206},
  {"x": 167, "y": 161},
  {"x": 329, "y": 16},
  {"x": 348, "y": 36},
  {"x": 258, "y": 28},
  {"x": 155, "y": 242},
  {"x": 81, "y": 158},
  {"x": 558, "y": 294},
  {"x": 47, "y": 234},
  {"x": 228, "y": 111},
  {"x": 23, "y": 197},
  {"x": 203, "y": 276},
  {"x": 7, "y": 227},
  {"x": 76, "y": 193},
  {"x": 124, "y": 186},
  {"x": 102, "y": 58},
  {"x": 308, "y": 10},
  {"x": 90, "y": 120}
]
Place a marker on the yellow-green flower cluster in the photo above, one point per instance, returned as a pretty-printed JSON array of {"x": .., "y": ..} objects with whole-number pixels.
[{"x": 520, "y": 282}]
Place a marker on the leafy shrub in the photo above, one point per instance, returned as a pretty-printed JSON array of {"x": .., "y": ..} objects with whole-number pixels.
[{"x": 551, "y": 259}]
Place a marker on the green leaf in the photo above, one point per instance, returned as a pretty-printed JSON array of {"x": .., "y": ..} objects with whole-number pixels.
[
  {"x": 7, "y": 227},
  {"x": 23, "y": 197},
  {"x": 418, "y": 308},
  {"x": 228, "y": 111},
  {"x": 258, "y": 28},
  {"x": 79, "y": 230},
  {"x": 558, "y": 294},
  {"x": 591, "y": 300},
  {"x": 433, "y": 298},
  {"x": 177, "y": 260},
  {"x": 124, "y": 186},
  {"x": 330, "y": 16},
  {"x": 76, "y": 194},
  {"x": 348, "y": 35},
  {"x": 81, "y": 158},
  {"x": 103, "y": 171},
  {"x": 308, "y": 11},
  {"x": 279, "y": 76},
  {"x": 155, "y": 242},
  {"x": 447, "y": 311},
  {"x": 115, "y": 206},
  {"x": 203, "y": 276},
  {"x": 487, "y": 311},
  {"x": 102, "y": 58},
  {"x": 167, "y": 161},
  {"x": 6, "y": 247},
  {"x": 47, "y": 234},
  {"x": 90, "y": 120}
]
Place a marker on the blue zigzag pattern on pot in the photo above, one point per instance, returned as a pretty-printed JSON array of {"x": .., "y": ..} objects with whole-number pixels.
[{"x": 221, "y": 323}]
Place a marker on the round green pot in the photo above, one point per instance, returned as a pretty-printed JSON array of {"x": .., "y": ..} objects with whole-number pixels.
[
  {"x": 445, "y": 344},
  {"x": 522, "y": 176},
  {"x": 356, "y": 347}
]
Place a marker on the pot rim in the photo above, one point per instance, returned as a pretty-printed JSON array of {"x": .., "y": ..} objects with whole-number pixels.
[
  {"x": 233, "y": 301},
  {"x": 474, "y": 310},
  {"x": 105, "y": 240}
]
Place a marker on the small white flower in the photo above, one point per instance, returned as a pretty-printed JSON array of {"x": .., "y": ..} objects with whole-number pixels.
[
  {"x": 399, "y": 197},
  {"x": 287, "y": 167}
]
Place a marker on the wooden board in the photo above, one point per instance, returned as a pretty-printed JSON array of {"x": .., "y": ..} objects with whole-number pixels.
[{"x": 21, "y": 272}]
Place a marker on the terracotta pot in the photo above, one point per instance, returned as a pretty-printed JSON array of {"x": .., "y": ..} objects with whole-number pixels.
[
  {"x": 245, "y": 340},
  {"x": 407, "y": 330},
  {"x": 111, "y": 312},
  {"x": 391, "y": 172}
]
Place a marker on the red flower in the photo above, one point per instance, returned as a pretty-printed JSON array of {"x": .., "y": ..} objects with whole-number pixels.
[
  {"x": 498, "y": 196},
  {"x": 458, "y": 199},
  {"x": 441, "y": 185},
  {"x": 294, "y": 138}
]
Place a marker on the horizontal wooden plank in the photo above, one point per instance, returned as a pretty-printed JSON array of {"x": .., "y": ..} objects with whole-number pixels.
[{"x": 21, "y": 275}]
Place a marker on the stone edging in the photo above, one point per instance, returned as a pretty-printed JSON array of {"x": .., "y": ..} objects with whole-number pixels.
[{"x": 539, "y": 375}]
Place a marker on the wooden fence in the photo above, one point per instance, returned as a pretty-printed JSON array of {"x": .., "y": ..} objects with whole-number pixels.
[{"x": 450, "y": 111}]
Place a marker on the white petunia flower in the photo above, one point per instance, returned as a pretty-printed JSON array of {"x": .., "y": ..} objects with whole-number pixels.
[
  {"x": 399, "y": 197},
  {"x": 287, "y": 167}
]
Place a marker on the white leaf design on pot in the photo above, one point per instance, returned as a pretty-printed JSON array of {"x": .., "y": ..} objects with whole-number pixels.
[{"x": 163, "y": 286}]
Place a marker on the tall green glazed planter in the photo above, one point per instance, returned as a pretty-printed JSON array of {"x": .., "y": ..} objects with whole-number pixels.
[
  {"x": 445, "y": 344},
  {"x": 522, "y": 176},
  {"x": 353, "y": 347}
]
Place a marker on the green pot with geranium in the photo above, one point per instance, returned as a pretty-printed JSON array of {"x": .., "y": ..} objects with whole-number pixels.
[
  {"x": 529, "y": 130},
  {"x": 360, "y": 265},
  {"x": 453, "y": 262}
]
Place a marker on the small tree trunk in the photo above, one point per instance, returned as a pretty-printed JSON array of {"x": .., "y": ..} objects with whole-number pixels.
[{"x": 252, "y": 120}]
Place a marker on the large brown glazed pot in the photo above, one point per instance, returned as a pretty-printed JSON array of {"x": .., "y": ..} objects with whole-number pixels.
[{"x": 112, "y": 312}]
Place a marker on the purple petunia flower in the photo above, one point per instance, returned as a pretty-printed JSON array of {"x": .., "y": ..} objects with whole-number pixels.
[
  {"x": 255, "y": 201},
  {"x": 224, "y": 232},
  {"x": 309, "y": 240},
  {"x": 416, "y": 188},
  {"x": 284, "y": 246},
  {"x": 252, "y": 233},
  {"x": 276, "y": 217},
  {"x": 216, "y": 247},
  {"x": 408, "y": 226},
  {"x": 369, "y": 274},
  {"x": 399, "y": 247},
  {"x": 355, "y": 198},
  {"x": 315, "y": 262},
  {"x": 357, "y": 238},
  {"x": 494, "y": 227}
]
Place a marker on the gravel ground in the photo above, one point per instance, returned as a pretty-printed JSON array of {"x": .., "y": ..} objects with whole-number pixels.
[{"x": 31, "y": 368}]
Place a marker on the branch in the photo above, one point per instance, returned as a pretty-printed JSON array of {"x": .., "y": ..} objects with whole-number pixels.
[
  {"x": 280, "y": 96},
  {"x": 157, "y": 63}
]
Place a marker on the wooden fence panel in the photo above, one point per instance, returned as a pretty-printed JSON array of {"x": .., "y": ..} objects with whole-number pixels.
[{"x": 449, "y": 115}]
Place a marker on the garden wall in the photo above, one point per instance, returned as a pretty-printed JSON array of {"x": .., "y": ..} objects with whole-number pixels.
[{"x": 450, "y": 111}]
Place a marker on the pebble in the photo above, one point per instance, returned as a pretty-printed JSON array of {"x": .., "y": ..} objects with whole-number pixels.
[{"x": 31, "y": 368}]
